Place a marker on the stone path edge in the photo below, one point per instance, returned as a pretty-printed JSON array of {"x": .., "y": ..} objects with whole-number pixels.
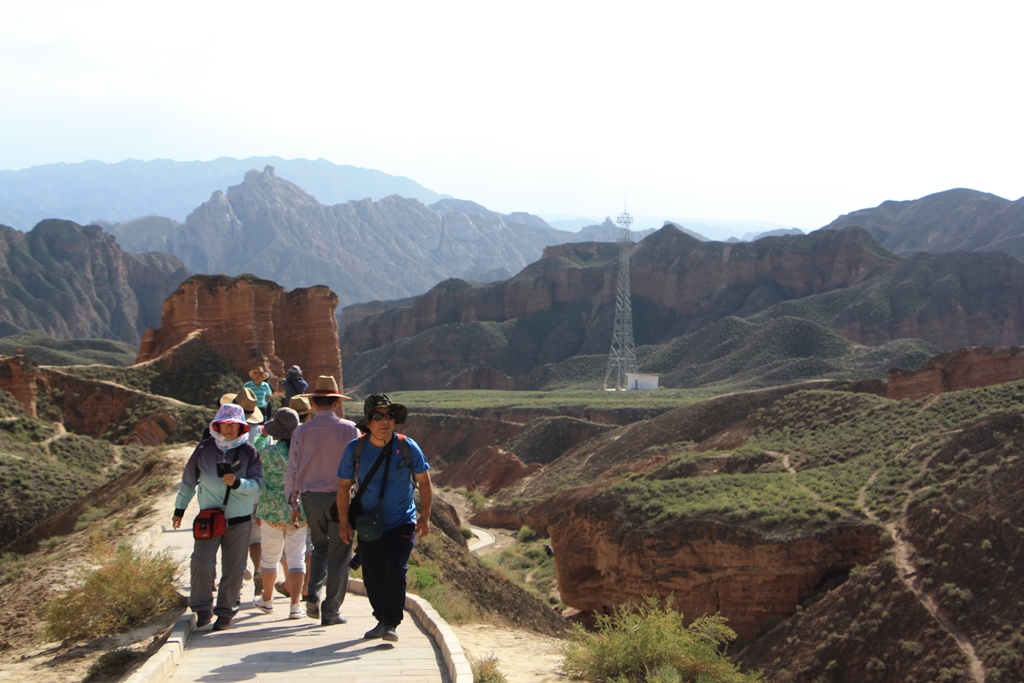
[{"x": 161, "y": 665}]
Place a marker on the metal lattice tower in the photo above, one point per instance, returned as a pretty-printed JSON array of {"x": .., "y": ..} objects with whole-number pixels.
[{"x": 622, "y": 357}]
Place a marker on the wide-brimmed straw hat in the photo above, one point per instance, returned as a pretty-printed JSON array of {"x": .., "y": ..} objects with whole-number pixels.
[
  {"x": 284, "y": 423},
  {"x": 327, "y": 386},
  {"x": 300, "y": 404},
  {"x": 245, "y": 398},
  {"x": 260, "y": 373}
]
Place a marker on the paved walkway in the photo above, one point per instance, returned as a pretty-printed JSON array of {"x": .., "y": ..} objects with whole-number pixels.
[{"x": 270, "y": 647}]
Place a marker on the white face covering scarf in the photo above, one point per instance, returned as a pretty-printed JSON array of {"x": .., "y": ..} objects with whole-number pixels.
[{"x": 223, "y": 445}]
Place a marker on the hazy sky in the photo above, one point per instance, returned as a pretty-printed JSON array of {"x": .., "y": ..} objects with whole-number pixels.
[{"x": 791, "y": 112}]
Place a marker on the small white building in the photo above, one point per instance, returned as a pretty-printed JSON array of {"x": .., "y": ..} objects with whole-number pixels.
[{"x": 635, "y": 380}]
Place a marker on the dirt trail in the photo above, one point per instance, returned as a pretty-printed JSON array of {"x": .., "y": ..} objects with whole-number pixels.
[{"x": 903, "y": 554}]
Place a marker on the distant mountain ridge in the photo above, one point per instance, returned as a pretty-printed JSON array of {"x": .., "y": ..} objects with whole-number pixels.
[
  {"x": 954, "y": 220},
  {"x": 812, "y": 303},
  {"x": 93, "y": 191},
  {"x": 71, "y": 281},
  {"x": 363, "y": 250}
]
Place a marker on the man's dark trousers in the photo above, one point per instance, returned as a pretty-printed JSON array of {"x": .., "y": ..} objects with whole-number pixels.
[{"x": 385, "y": 564}]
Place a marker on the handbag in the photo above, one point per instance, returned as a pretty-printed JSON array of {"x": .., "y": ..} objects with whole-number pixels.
[
  {"x": 211, "y": 522},
  {"x": 370, "y": 525}
]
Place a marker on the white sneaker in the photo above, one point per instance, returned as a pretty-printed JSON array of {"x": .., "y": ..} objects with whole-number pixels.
[
  {"x": 296, "y": 612},
  {"x": 265, "y": 607}
]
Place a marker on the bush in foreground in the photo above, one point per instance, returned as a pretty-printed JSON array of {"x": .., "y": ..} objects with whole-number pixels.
[
  {"x": 650, "y": 644},
  {"x": 128, "y": 588},
  {"x": 486, "y": 670}
]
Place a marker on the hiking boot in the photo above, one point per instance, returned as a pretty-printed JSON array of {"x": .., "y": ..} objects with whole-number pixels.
[
  {"x": 282, "y": 588},
  {"x": 312, "y": 608},
  {"x": 257, "y": 581},
  {"x": 203, "y": 618},
  {"x": 222, "y": 624},
  {"x": 390, "y": 635},
  {"x": 265, "y": 607},
  {"x": 333, "y": 621},
  {"x": 295, "y": 612},
  {"x": 375, "y": 632}
]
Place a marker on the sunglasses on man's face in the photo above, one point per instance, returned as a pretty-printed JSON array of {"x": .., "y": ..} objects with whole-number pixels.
[{"x": 377, "y": 417}]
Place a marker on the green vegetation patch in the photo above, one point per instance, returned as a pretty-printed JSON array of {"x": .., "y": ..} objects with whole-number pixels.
[
  {"x": 771, "y": 502},
  {"x": 529, "y": 565},
  {"x": 649, "y": 643},
  {"x": 45, "y": 350},
  {"x": 128, "y": 588}
]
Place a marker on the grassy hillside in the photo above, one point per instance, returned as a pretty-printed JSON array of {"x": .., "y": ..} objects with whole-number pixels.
[
  {"x": 941, "y": 479},
  {"x": 43, "y": 469},
  {"x": 46, "y": 350}
]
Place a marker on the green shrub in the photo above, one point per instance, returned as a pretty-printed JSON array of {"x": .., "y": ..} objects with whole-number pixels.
[
  {"x": 476, "y": 500},
  {"x": 11, "y": 567},
  {"x": 526, "y": 534},
  {"x": 467, "y": 533},
  {"x": 425, "y": 581},
  {"x": 650, "y": 643},
  {"x": 486, "y": 670},
  {"x": 127, "y": 589},
  {"x": 89, "y": 515}
]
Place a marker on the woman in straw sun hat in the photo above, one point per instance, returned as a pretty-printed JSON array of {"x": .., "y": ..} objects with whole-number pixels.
[{"x": 261, "y": 388}]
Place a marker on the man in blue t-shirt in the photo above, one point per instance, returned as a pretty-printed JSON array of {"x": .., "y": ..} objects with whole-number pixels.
[{"x": 386, "y": 559}]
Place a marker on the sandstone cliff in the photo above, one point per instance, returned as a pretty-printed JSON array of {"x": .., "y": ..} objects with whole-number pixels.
[
  {"x": 962, "y": 369},
  {"x": 251, "y": 322},
  {"x": 69, "y": 281}
]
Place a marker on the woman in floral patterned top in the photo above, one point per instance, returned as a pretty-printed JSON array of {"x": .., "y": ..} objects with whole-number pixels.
[{"x": 280, "y": 535}]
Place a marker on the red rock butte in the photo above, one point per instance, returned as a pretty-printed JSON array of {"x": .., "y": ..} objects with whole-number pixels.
[{"x": 250, "y": 323}]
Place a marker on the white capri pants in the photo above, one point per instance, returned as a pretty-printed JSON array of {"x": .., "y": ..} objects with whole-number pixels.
[{"x": 287, "y": 540}]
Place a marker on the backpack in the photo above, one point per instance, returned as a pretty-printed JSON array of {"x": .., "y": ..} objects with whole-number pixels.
[{"x": 401, "y": 447}]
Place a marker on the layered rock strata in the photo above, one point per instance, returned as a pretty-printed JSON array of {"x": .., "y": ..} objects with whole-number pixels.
[
  {"x": 962, "y": 369},
  {"x": 252, "y": 322}
]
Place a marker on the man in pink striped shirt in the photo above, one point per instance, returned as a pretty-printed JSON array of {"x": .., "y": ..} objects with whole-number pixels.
[{"x": 312, "y": 478}]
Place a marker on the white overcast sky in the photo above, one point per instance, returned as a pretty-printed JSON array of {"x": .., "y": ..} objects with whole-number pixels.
[{"x": 789, "y": 112}]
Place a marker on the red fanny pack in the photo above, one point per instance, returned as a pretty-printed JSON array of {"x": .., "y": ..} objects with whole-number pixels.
[{"x": 210, "y": 523}]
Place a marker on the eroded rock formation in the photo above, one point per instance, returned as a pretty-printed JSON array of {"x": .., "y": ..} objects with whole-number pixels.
[
  {"x": 962, "y": 369},
  {"x": 109, "y": 411},
  {"x": 251, "y": 322},
  {"x": 488, "y": 470},
  {"x": 709, "y": 568},
  {"x": 70, "y": 281},
  {"x": 18, "y": 376}
]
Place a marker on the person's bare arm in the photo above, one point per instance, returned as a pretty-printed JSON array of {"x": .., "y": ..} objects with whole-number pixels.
[{"x": 426, "y": 502}]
